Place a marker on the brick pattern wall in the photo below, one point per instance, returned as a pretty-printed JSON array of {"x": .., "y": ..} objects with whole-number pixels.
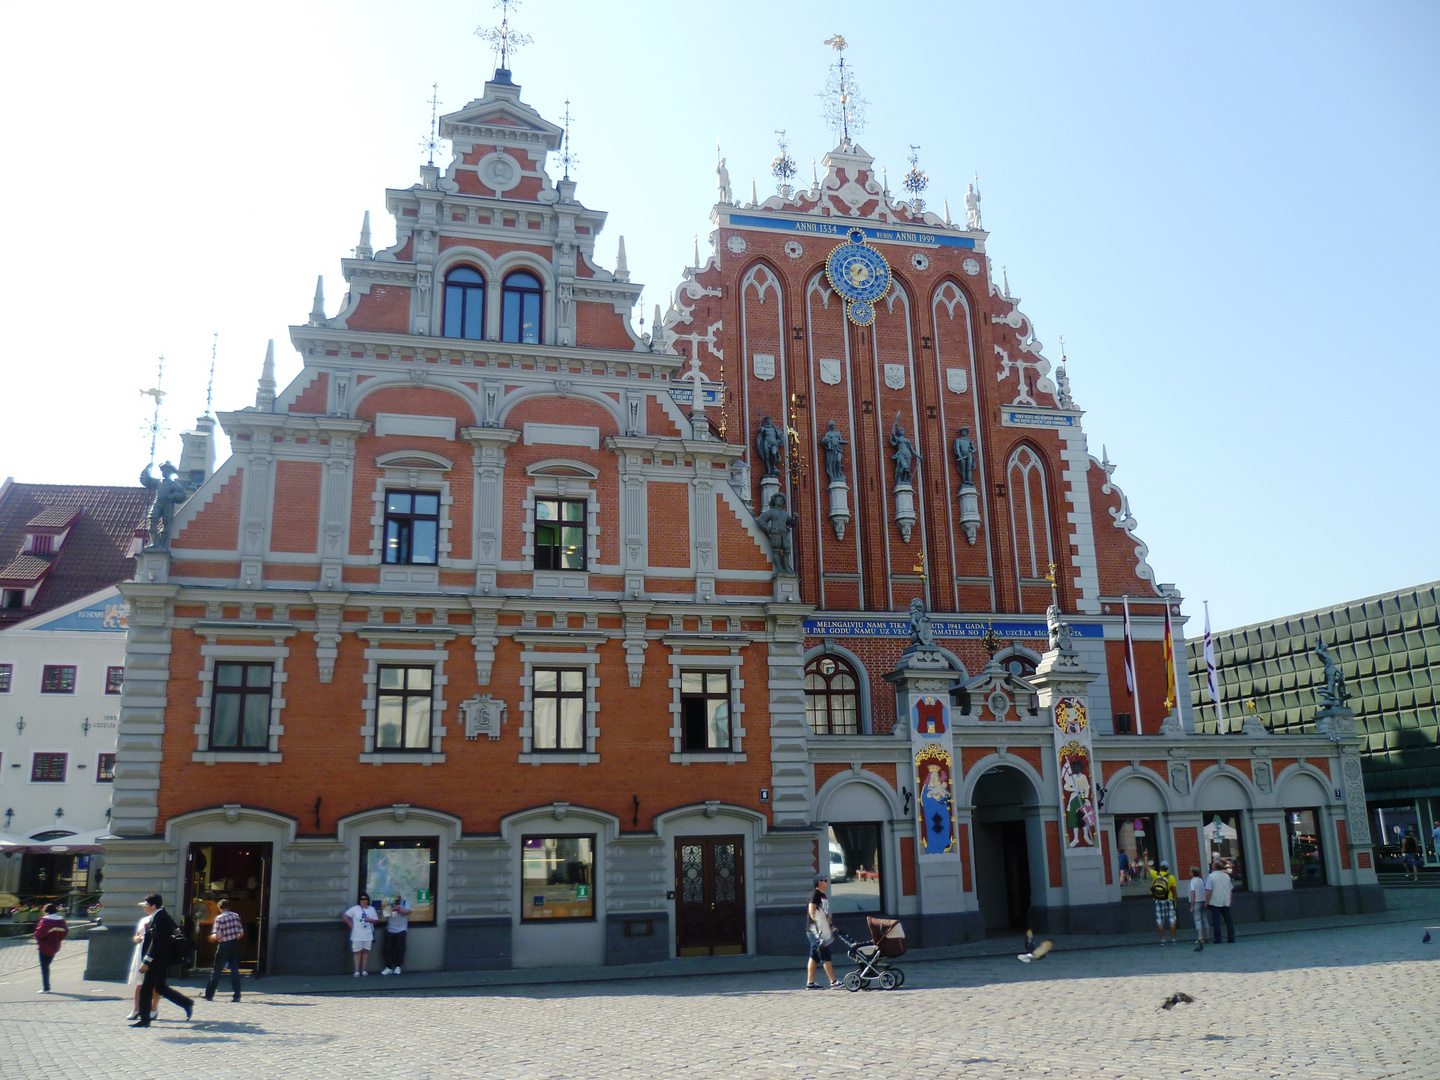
[
  {"x": 1052, "y": 853},
  {"x": 295, "y": 522},
  {"x": 1272, "y": 849},
  {"x": 217, "y": 526},
  {"x": 1342, "y": 840},
  {"x": 1187, "y": 850}
]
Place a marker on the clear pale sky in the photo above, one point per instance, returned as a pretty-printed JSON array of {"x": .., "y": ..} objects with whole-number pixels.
[{"x": 1229, "y": 213}]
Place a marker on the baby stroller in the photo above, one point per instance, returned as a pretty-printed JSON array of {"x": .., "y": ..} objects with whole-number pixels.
[{"x": 887, "y": 941}]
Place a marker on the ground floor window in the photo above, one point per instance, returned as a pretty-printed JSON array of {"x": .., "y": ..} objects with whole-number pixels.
[
  {"x": 1137, "y": 851},
  {"x": 855, "y": 883},
  {"x": 557, "y": 878},
  {"x": 1222, "y": 840},
  {"x": 394, "y": 867},
  {"x": 1307, "y": 854}
]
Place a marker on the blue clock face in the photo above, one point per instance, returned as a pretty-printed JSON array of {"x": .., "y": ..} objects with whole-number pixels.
[{"x": 857, "y": 271}]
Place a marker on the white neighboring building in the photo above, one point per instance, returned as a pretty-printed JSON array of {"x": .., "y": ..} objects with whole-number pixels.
[{"x": 62, "y": 650}]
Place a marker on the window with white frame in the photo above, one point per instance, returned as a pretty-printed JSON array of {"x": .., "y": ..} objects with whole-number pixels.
[
  {"x": 559, "y": 710},
  {"x": 706, "y": 709},
  {"x": 242, "y": 698},
  {"x": 412, "y": 527},
  {"x": 240, "y": 706},
  {"x": 404, "y": 699}
]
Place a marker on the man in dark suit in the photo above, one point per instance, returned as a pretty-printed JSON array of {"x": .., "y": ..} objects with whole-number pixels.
[{"x": 156, "y": 956}]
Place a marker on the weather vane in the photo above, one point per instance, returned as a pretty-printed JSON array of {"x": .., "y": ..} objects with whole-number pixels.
[
  {"x": 159, "y": 395},
  {"x": 568, "y": 157},
  {"x": 844, "y": 110},
  {"x": 432, "y": 144},
  {"x": 783, "y": 167},
  {"x": 210, "y": 386},
  {"x": 503, "y": 41},
  {"x": 916, "y": 181}
]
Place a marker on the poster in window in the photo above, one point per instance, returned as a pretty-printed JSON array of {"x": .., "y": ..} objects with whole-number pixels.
[
  {"x": 404, "y": 868},
  {"x": 557, "y": 878}
]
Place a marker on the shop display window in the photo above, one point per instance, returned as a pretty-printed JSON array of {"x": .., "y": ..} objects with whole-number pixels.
[{"x": 557, "y": 878}]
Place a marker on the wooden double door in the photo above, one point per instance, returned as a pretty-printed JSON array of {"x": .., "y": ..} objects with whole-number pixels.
[{"x": 709, "y": 895}]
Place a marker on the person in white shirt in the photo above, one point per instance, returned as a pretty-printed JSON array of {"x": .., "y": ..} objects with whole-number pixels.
[
  {"x": 1197, "y": 908},
  {"x": 397, "y": 923},
  {"x": 1217, "y": 898},
  {"x": 361, "y": 919}
]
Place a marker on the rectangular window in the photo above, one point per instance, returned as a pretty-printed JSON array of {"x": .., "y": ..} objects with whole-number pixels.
[
  {"x": 12, "y": 598},
  {"x": 240, "y": 706},
  {"x": 1222, "y": 840},
  {"x": 402, "y": 707},
  {"x": 704, "y": 710},
  {"x": 5, "y": 672},
  {"x": 48, "y": 768},
  {"x": 412, "y": 527},
  {"x": 1124, "y": 723},
  {"x": 105, "y": 769},
  {"x": 401, "y": 867},
  {"x": 42, "y": 544},
  {"x": 1137, "y": 851},
  {"x": 557, "y": 878},
  {"x": 1307, "y": 854},
  {"x": 855, "y": 868},
  {"x": 557, "y": 714},
  {"x": 114, "y": 679},
  {"x": 560, "y": 534},
  {"x": 58, "y": 679}
]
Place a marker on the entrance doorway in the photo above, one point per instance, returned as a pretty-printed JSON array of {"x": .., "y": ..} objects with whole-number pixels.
[
  {"x": 709, "y": 895},
  {"x": 239, "y": 873},
  {"x": 1005, "y": 806}
]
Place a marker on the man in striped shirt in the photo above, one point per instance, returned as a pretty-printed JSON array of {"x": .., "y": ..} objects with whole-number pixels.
[{"x": 227, "y": 934}]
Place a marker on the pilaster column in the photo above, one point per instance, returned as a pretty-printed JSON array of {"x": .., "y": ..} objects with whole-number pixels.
[
  {"x": 791, "y": 777},
  {"x": 489, "y": 457},
  {"x": 135, "y": 799}
]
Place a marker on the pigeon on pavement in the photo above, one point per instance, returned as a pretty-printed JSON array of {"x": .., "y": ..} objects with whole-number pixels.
[{"x": 1177, "y": 998}]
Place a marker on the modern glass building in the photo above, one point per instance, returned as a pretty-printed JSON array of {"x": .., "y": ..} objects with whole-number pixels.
[{"x": 1388, "y": 647}]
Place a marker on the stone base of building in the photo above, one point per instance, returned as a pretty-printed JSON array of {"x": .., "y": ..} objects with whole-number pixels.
[
  {"x": 635, "y": 937},
  {"x": 780, "y": 931},
  {"x": 311, "y": 948},
  {"x": 1138, "y": 915},
  {"x": 478, "y": 944}
]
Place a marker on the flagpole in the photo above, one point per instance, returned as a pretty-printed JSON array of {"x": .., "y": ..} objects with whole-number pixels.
[{"x": 1132, "y": 681}]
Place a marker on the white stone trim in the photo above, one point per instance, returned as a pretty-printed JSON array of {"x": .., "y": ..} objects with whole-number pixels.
[
  {"x": 731, "y": 664},
  {"x": 563, "y": 487},
  {"x": 589, "y": 661},
  {"x": 276, "y": 654},
  {"x": 375, "y": 655},
  {"x": 412, "y": 479}
]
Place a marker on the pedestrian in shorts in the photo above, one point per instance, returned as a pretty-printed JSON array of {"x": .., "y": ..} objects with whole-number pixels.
[
  {"x": 819, "y": 934},
  {"x": 1163, "y": 887}
]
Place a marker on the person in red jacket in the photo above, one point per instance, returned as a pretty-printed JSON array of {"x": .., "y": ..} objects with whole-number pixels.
[{"x": 49, "y": 932}]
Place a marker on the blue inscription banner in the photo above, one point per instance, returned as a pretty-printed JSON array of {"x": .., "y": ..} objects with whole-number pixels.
[
  {"x": 684, "y": 395},
  {"x": 840, "y": 229},
  {"x": 1026, "y": 418},
  {"x": 943, "y": 628}
]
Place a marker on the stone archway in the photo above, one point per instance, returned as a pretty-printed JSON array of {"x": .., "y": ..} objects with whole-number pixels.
[{"x": 1009, "y": 848}]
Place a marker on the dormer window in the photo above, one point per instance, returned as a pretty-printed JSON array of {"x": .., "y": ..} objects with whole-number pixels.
[
  {"x": 465, "y": 304},
  {"x": 41, "y": 544},
  {"x": 520, "y": 308}
]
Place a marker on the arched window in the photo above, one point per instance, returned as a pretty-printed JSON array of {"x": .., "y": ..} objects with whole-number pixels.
[
  {"x": 832, "y": 702},
  {"x": 465, "y": 304},
  {"x": 520, "y": 308},
  {"x": 1029, "y": 516}
]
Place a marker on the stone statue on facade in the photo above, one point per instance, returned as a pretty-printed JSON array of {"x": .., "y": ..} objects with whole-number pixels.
[
  {"x": 722, "y": 175},
  {"x": 921, "y": 632},
  {"x": 169, "y": 495},
  {"x": 1331, "y": 695},
  {"x": 905, "y": 454},
  {"x": 778, "y": 524},
  {"x": 972, "y": 208},
  {"x": 1057, "y": 628},
  {"x": 769, "y": 443},
  {"x": 965, "y": 450},
  {"x": 833, "y": 444}
]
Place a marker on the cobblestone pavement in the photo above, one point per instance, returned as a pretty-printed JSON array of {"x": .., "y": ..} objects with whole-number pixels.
[{"x": 1351, "y": 1003}]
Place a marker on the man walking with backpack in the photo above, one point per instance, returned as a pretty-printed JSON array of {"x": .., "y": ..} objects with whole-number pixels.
[
  {"x": 157, "y": 953},
  {"x": 1163, "y": 887}
]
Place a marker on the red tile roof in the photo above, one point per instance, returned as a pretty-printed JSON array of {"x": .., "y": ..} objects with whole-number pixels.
[{"x": 94, "y": 555}]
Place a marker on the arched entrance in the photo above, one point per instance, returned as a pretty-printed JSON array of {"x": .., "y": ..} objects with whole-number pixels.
[{"x": 1007, "y": 831}]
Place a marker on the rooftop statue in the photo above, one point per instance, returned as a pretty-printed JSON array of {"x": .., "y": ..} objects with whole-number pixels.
[
  {"x": 1332, "y": 695},
  {"x": 169, "y": 495}
]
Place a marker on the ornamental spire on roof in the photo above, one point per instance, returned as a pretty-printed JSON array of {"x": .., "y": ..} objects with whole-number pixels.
[
  {"x": 502, "y": 40},
  {"x": 844, "y": 108}
]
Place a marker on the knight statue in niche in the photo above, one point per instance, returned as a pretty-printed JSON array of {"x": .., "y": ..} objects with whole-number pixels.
[
  {"x": 778, "y": 524},
  {"x": 905, "y": 454},
  {"x": 169, "y": 495},
  {"x": 965, "y": 450},
  {"x": 833, "y": 444},
  {"x": 769, "y": 441}
]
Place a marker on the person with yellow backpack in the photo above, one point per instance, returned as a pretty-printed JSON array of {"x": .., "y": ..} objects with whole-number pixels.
[{"x": 1163, "y": 888}]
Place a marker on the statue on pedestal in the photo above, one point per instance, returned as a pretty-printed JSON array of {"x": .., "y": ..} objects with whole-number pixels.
[
  {"x": 169, "y": 495},
  {"x": 769, "y": 441},
  {"x": 778, "y": 523},
  {"x": 965, "y": 450},
  {"x": 833, "y": 444},
  {"x": 905, "y": 454},
  {"x": 921, "y": 632},
  {"x": 1332, "y": 695}
]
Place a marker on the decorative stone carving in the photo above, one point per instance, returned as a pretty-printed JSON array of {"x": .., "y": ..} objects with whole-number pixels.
[
  {"x": 955, "y": 380},
  {"x": 830, "y": 372},
  {"x": 921, "y": 632},
  {"x": 483, "y": 715},
  {"x": 1263, "y": 775},
  {"x": 232, "y": 812},
  {"x": 895, "y": 376},
  {"x": 763, "y": 366},
  {"x": 1180, "y": 776}
]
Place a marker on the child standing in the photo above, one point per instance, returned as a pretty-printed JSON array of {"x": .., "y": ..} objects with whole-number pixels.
[
  {"x": 49, "y": 932},
  {"x": 1197, "y": 908}
]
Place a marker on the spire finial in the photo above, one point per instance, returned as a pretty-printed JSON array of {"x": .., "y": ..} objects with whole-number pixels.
[
  {"x": 265, "y": 389},
  {"x": 317, "y": 309},
  {"x": 783, "y": 167},
  {"x": 622, "y": 265},
  {"x": 432, "y": 144},
  {"x": 502, "y": 40},
  {"x": 697, "y": 251},
  {"x": 844, "y": 109},
  {"x": 916, "y": 181},
  {"x": 158, "y": 395},
  {"x": 363, "y": 250},
  {"x": 754, "y": 193},
  {"x": 567, "y": 153}
]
